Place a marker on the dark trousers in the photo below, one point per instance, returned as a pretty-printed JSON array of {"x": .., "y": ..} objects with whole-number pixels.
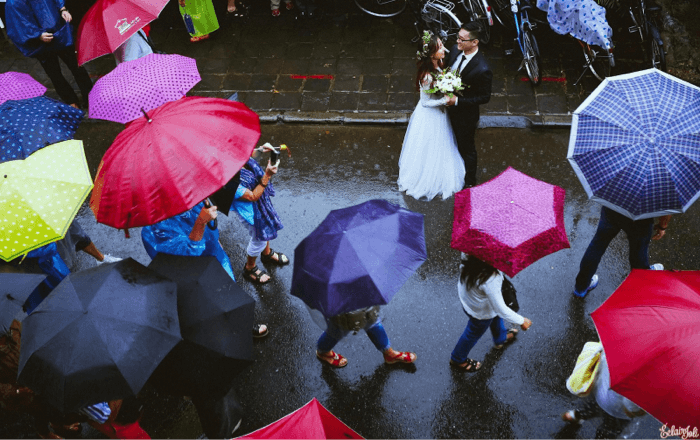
[
  {"x": 610, "y": 224},
  {"x": 465, "y": 129},
  {"x": 49, "y": 61},
  {"x": 218, "y": 417}
]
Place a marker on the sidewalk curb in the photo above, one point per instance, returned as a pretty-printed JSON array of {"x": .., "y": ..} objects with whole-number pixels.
[{"x": 398, "y": 118}]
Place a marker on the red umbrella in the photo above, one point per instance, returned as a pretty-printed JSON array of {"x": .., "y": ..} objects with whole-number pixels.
[
  {"x": 510, "y": 222},
  {"x": 164, "y": 165},
  {"x": 650, "y": 329},
  {"x": 109, "y": 23},
  {"x": 311, "y": 421}
]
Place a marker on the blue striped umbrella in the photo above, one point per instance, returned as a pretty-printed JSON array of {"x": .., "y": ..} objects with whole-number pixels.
[
  {"x": 635, "y": 144},
  {"x": 27, "y": 125}
]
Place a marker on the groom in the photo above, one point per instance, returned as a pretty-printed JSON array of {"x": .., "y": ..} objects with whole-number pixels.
[{"x": 463, "y": 110}]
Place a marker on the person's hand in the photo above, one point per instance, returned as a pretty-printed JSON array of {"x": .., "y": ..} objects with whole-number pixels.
[
  {"x": 271, "y": 170},
  {"x": 526, "y": 325},
  {"x": 66, "y": 16},
  {"x": 659, "y": 234},
  {"x": 46, "y": 37},
  {"x": 207, "y": 214},
  {"x": 182, "y": 3},
  {"x": 452, "y": 100}
]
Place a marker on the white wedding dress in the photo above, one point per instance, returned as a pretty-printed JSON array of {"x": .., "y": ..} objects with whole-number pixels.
[{"x": 430, "y": 163}]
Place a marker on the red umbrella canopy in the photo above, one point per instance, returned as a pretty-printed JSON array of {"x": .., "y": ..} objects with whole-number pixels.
[
  {"x": 109, "y": 23},
  {"x": 162, "y": 166},
  {"x": 510, "y": 222},
  {"x": 311, "y": 421},
  {"x": 649, "y": 329}
]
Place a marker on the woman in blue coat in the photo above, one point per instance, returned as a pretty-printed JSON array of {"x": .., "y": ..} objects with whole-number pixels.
[{"x": 41, "y": 29}]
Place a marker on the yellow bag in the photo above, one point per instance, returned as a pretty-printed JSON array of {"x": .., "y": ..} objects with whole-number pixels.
[{"x": 584, "y": 374}]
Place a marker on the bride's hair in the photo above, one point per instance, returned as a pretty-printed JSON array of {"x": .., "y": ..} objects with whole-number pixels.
[{"x": 425, "y": 63}]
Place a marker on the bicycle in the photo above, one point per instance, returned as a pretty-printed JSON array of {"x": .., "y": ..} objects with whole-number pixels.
[
  {"x": 598, "y": 60},
  {"x": 518, "y": 18},
  {"x": 437, "y": 16},
  {"x": 644, "y": 19}
]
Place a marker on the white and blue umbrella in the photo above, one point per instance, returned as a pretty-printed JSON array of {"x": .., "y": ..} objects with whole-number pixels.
[{"x": 635, "y": 144}]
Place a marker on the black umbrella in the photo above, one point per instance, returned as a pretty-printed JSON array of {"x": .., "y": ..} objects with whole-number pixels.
[
  {"x": 14, "y": 291},
  {"x": 99, "y": 335},
  {"x": 216, "y": 317},
  {"x": 223, "y": 198}
]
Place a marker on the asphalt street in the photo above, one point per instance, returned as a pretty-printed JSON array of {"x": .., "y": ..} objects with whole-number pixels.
[{"x": 519, "y": 393}]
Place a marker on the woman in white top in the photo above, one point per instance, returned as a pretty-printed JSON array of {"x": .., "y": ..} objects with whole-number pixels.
[{"x": 480, "y": 293}]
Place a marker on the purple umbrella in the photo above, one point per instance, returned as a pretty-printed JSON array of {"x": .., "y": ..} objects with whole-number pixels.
[
  {"x": 142, "y": 84},
  {"x": 358, "y": 257},
  {"x": 16, "y": 85}
]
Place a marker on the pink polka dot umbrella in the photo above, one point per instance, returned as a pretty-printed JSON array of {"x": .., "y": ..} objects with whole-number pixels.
[
  {"x": 16, "y": 85},
  {"x": 510, "y": 222},
  {"x": 145, "y": 83}
]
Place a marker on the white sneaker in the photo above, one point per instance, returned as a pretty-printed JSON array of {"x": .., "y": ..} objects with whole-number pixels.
[
  {"x": 109, "y": 259},
  {"x": 656, "y": 266}
]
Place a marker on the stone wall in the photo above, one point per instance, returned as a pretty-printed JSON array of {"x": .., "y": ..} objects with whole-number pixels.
[{"x": 681, "y": 34}]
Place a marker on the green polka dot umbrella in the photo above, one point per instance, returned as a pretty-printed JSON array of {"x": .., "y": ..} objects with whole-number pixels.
[{"x": 40, "y": 195}]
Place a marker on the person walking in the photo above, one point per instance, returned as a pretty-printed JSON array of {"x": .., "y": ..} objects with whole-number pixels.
[
  {"x": 480, "y": 293},
  {"x": 466, "y": 59},
  {"x": 639, "y": 234},
  {"x": 367, "y": 319},
  {"x": 617, "y": 410},
  {"x": 200, "y": 18},
  {"x": 41, "y": 29},
  {"x": 430, "y": 163},
  {"x": 254, "y": 207}
]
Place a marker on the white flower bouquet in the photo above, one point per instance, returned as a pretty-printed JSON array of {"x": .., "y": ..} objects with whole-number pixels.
[{"x": 448, "y": 83}]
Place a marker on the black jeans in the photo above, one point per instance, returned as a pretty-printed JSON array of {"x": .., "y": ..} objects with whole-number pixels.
[{"x": 49, "y": 61}]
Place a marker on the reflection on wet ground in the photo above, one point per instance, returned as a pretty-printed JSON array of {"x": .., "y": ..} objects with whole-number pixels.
[{"x": 518, "y": 393}]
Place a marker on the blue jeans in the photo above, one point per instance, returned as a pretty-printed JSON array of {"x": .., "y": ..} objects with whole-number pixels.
[
  {"x": 333, "y": 335},
  {"x": 639, "y": 235},
  {"x": 474, "y": 330}
]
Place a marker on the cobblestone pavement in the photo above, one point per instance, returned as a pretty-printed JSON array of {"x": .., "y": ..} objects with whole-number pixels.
[{"x": 346, "y": 66}]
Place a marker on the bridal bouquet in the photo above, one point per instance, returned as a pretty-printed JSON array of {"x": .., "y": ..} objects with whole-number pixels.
[{"x": 448, "y": 83}]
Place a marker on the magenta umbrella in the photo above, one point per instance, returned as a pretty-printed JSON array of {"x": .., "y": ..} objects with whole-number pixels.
[
  {"x": 16, "y": 85},
  {"x": 142, "y": 85},
  {"x": 510, "y": 222}
]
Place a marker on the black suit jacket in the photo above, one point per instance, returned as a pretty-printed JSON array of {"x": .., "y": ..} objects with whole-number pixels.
[{"x": 476, "y": 79}]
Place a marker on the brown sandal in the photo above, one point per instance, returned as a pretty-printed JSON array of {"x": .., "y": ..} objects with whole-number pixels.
[
  {"x": 509, "y": 339},
  {"x": 471, "y": 366},
  {"x": 333, "y": 359}
]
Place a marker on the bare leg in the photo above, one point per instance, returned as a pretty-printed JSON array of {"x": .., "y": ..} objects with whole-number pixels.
[
  {"x": 91, "y": 249},
  {"x": 231, "y": 6}
]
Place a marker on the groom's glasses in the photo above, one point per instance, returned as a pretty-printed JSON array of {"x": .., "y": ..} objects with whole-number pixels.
[{"x": 464, "y": 40}]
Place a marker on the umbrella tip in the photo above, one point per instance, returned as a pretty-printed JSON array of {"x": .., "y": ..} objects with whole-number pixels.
[{"x": 145, "y": 115}]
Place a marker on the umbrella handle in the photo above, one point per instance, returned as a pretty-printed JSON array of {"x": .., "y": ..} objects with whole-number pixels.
[{"x": 214, "y": 223}]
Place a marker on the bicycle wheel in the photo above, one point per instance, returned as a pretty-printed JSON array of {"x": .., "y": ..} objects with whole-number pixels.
[
  {"x": 382, "y": 8},
  {"x": 502, "y": 13},
  {"x": 658, "y": 56},
  {"x": 479, "y": 13},
  {"x": 599, "y": 61},
  {"x": 531, "y": 56},
  {"x": 441, "y": 22}
]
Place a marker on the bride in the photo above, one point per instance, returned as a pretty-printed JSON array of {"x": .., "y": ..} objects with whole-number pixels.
[{"x": 430, "y": 163}]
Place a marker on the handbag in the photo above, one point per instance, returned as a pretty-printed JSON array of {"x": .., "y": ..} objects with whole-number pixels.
[
  {"x": 509, "y": 297},
  {"x": 587, "y": 365},
  {"x": 357, "y": 319}
]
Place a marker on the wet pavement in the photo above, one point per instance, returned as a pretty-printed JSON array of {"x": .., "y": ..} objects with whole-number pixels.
[
  {"x": 519, "y": 393},
  {"x": 346, "y": 66}
]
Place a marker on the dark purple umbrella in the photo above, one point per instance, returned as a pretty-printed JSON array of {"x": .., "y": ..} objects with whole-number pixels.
[{"x": 358, "y": 257}]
